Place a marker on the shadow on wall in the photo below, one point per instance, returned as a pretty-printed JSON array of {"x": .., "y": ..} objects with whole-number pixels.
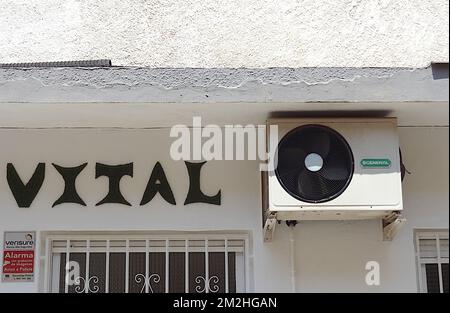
[
  {"x": 439, "y": 70},
  {"x": 331, "y": 113}
]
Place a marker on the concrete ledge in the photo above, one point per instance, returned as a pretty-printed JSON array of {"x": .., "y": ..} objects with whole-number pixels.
[{"x": 140, "y": 84}]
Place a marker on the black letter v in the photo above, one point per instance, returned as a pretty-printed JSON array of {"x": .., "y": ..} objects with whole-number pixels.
[{"x": 25, "y": 193}]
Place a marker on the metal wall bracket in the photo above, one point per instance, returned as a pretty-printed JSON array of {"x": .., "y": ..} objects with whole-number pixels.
[
  {"x": 269, "y": 226},
  {"x": 391, "y": 225}
]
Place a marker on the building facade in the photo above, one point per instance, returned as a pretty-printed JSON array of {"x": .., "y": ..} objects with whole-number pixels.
[{"x": 89, "y": 187}]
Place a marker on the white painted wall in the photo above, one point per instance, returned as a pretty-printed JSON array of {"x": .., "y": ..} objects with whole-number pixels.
[
  {"x": 234, "y": 33},
  {"x": 330, "y": 256}
]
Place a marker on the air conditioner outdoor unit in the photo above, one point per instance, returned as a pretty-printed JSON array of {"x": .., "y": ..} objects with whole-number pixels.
[{"x": 334, "y": 169}]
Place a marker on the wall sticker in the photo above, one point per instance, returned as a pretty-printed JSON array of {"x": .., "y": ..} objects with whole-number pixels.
[
  {"x": 18, "y": 256},
  {"x": 114, "y": 174},
  {"x": 158, "y": 184},
  {"x": 25, "y": 193},
  {"x": 70, "y": 194}
]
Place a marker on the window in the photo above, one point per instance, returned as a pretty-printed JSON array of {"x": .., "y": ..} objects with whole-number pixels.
[
  {"x": 195, "y": 263},
  {"x": 432, "y": 260}
]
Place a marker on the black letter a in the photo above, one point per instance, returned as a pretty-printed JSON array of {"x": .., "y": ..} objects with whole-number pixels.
[{"x": 158, "y": 183}]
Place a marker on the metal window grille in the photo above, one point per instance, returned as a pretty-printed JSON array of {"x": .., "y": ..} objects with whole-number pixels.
[
  {"x": 432, "y": 252},
  {"x": 191, "y": 263}
]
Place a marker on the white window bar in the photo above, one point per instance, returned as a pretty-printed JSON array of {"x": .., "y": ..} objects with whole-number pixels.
[
  {"x": 227, "y": 287},
  {"x": 147, "y": 264},
  {"x": 419, "y": 265},
  {"x": 127, "y": 265},
  {"x": 438, "y": 249},
  {"x": 48, "y": 262},
  {"x": 66, "y": 278},
  {"x": 247, "y": 263},
  {"x": 108, "y": 244},
  {"x": 186, "y": 266},
  {"x": 86, "y": 284},
  {"x": 206, "y": 266},
  {"x": 167, "y": 266}
]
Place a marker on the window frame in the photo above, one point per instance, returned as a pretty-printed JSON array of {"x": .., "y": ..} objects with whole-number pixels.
[
  {"x": 47, "y": 250},
  {"x": 430, "y": 234}
]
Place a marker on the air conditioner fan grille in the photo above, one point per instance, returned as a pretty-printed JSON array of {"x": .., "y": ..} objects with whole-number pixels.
[{"x": 328, "y": 180}]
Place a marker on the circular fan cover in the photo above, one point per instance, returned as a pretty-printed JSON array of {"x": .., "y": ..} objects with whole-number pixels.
[{"x": 315, "y": 163}]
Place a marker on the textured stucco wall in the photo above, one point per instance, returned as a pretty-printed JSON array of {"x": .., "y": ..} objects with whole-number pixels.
[{"x": 234, "y": 33}]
